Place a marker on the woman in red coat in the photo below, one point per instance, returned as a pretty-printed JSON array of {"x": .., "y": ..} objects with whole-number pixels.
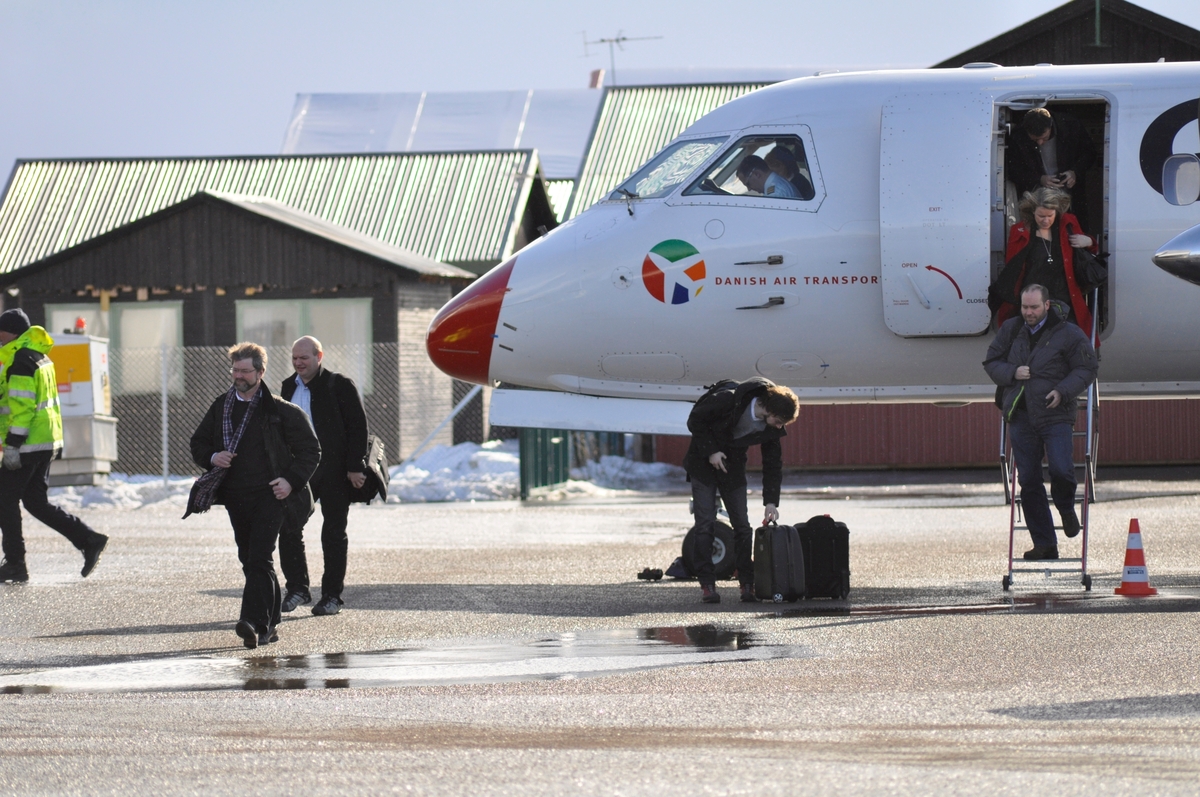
[{"x": 1040, "y": 252}]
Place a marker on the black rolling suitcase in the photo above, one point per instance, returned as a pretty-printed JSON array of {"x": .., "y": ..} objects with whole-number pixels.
[
  {"x": 826, "y": 545},
  {"x": 778, "y": 564}
]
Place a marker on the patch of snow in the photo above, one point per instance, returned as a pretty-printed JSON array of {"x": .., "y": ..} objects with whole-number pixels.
[
  {"x": 465, "y": 472},
  {"x": 619, "y": 473},
  {"x": 123, "y": 491}
]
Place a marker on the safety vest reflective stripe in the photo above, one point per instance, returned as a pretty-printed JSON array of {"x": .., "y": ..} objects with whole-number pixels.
[
  {"x": 29, "y": 448},
  {"x": 29, "y": 394},
  {"x": 19, "y": 429}
]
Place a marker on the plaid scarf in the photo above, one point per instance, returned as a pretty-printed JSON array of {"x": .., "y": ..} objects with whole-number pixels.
[{"x": 204, "y": 491}]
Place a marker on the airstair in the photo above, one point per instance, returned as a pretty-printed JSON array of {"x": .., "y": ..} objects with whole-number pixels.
[{"x": 1089, "y": 408}]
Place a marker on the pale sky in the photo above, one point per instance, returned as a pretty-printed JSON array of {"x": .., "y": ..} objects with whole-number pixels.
[{"x": 141, "y": 78}]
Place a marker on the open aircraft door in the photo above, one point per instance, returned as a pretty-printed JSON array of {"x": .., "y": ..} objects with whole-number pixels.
[{"x": 935, "y": 180}]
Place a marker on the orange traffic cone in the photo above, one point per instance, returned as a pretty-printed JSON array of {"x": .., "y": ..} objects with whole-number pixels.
[{"x": 1135, "y": 581}]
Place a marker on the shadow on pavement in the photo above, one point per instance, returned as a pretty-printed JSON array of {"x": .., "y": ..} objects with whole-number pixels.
[{"x": 1187, "y": 705}]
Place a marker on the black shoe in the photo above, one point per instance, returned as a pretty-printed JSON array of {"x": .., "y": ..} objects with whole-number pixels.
[
  {"x": 1071, "y": 525},
  {"x": 1042, "y": 552},
  {"x": 327, "y": 605},
  {"x": 14, "y": 572},
  {"x": 245, "y": 629},
  {"x": 708, "y": 593},
  {"x": 91, "y": 553},
  {"x": 748, "y": 595},
  {"x": 293, "y": 599},
  {"x": 267, "y": 637}
]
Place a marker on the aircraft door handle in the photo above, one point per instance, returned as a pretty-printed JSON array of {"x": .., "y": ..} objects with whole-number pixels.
[{"x": 774, "y": 301}]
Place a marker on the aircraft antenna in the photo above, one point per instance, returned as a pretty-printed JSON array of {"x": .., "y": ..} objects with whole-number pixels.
[{"x": 615, "y": 43}]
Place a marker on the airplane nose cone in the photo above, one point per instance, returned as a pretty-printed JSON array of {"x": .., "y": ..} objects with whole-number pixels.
[
  {"x": 1181, "y": 256},
  {"x": 459, "y": 340}
]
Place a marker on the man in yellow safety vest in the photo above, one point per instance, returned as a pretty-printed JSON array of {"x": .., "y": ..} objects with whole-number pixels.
[{"x": 31, "y": 429}]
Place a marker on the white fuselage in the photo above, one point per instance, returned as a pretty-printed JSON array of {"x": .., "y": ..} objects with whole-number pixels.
[{"x": 881, "y": 292}]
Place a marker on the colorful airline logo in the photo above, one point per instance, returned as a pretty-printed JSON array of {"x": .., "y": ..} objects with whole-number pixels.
[{"x": 675, "y": 263}]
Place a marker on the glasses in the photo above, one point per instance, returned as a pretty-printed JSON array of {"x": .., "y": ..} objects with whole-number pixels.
[{"x": 243, "y": 371}]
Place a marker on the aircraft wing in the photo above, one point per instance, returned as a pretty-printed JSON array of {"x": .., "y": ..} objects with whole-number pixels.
[{"x": 545, "y": 409}]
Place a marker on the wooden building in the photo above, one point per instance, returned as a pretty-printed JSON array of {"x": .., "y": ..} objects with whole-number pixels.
[
  {"x": 174, "y": 258},
  {"x": 1088, "y": 32}
]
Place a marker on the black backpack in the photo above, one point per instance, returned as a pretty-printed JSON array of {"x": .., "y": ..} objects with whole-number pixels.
[{"x": 721, "y": 387}]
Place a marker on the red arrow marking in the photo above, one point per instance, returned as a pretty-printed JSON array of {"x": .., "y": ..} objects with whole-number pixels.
[{"x": 947, "y": 276}]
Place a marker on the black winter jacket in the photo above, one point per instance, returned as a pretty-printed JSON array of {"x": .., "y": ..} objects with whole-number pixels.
[
  {"x": 1062, "y": 360},
  {"x": 1073, "y": 150},
  {"x": 712, "y": 422},
  {"x": 292, "y": 448},
  {"x": 340, "y": 421}
]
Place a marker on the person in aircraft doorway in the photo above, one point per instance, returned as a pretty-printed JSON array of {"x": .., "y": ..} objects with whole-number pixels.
[
  {"x": 1041, "y": 251},
  {"x": 1042, "y": 365},
  {"x": 1050, "y": 150},
  {"x": 724, "y": 423},
  {"x": 757, "y": 176}
]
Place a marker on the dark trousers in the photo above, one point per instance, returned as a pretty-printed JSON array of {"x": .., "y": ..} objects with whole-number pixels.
[
  {"x": 256, "y": 517},
  {"x": 1058, "y": 446},
  {"x": 334, "y": 495},
  {"x": 28, "y": 484},
  {"x": 732, "y": 489}
]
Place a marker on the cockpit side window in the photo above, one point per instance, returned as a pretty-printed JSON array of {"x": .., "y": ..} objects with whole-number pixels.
[
  {"x": 668, "y": 169},
  {"x": 773, "y": 167}
]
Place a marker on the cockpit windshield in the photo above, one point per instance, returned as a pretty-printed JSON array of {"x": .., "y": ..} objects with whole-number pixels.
[
  {"x": 774, "y": 167},
  {"x": 668, "y": 169}
]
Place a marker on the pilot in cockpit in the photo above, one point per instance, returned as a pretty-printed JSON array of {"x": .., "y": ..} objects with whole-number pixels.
[
  {"x": 758, "y": 177},
  {"x": 781, "y": 161}
]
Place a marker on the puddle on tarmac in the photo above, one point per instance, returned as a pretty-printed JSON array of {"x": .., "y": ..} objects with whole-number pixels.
[{"x": 581, "y": 654}]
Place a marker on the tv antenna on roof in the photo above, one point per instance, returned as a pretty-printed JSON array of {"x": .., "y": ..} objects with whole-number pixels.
[{"x": 618, "y": 41}]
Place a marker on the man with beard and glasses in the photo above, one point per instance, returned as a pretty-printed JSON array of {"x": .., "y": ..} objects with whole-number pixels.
[{"x": 259, "y": 452}]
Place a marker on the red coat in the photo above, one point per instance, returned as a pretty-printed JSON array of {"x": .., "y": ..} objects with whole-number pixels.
[{"x": 1018, "y": 239}]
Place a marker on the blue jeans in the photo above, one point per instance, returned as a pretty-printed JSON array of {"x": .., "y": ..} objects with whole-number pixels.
[{"x": 1029, "y": 445}]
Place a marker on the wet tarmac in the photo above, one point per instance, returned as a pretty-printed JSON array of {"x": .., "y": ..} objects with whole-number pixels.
[
  {"x": 510, "y": 649},
  {"x": 582, "y": 654}
]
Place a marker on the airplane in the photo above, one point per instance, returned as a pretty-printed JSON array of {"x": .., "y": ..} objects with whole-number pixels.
[{"x": 861, "y": 278}]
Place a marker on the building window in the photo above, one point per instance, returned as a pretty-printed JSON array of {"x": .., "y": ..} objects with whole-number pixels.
[
  {"x": 61, "y": 318},
  {"x": 342, "y": 325},
  {"x": 141, "y": 335}
]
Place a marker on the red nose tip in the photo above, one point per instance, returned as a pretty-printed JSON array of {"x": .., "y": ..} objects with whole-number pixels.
[{"x": 459, "y": 340}]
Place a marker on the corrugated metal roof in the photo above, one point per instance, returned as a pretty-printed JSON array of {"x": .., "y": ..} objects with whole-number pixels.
[
  {"x": 338, "y": 234},
  {"x": 634, "y": 124},
  {"x": 455, "y": 207},
  {"x": 560, "y": 196}
]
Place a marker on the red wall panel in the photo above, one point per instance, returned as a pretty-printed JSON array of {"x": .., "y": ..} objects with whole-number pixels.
[{"x": 925, "y": 436}]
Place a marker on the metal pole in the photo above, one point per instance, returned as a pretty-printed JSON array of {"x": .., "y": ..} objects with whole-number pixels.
[
  {"x": 166, "y": 447},
  {"x": 459, "y": 408}
]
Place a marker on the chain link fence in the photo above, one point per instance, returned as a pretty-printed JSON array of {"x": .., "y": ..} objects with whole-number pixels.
[{"x": 159, "y": 397}]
